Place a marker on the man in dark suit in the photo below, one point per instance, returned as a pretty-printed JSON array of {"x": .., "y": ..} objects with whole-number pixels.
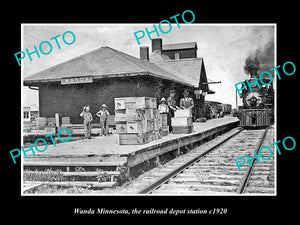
[{"x": 172, "y": 107}]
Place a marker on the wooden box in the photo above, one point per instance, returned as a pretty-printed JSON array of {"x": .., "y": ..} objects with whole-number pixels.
[
  {"x": 182, "y": 129},
  {"x": 137, "y": 102},
  {"x": 120, "y": 115},
  {"x": 121, "y": 128},
  {"x": 159, "y": 121},
  {"x": 143, "y": 102},
  {"x": 157, "y": 135},
  {"x": 134, "y": 114},
  {"x": 165, "y": 128},
  {"x": 181, "y": 121},
  {"x": 119, "y": 103},
  {"x": 150, "y": 125},
  {"x": 164, "y": 118},
  {"x": 156, "y": 124},
  {"x": 130, "y": 105},
  {"x": 156, "y": 113},
  {"x": 153, "y": 103},
  {"x": 183, "y": 113},
  {"x": 129, "y": 99},
  {"x": 164, "y": 133},
  {"x": 135, "y": 127},
  {"x": 149, "y": 115},
  {"x": 138, "y": 120}
]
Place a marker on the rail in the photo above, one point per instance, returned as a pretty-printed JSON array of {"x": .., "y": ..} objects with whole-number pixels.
[
  {"x": 178, "y": 170},
  {"x": 247, "y": 174}
]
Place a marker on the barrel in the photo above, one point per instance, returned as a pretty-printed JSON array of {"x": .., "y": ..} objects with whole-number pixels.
[{"x": 41, "y": 122}]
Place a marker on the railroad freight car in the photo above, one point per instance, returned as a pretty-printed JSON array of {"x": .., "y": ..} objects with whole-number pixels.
[
  {"x": 216, "y": 109},
  {"x": 227, "y": 108}
]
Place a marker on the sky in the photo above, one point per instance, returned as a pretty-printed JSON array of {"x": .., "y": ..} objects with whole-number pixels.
[{"x": 224, "y": 48}]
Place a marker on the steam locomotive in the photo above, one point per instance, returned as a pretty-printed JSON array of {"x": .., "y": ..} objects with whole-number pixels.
[{"x": 258, "y": 105}]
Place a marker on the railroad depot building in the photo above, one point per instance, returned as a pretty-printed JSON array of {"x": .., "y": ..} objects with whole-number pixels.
[{"x": 99, "y": 76}]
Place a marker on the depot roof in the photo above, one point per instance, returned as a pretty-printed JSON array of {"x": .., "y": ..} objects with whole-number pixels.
[
  {"x": 192, "y": 70},
  {"x": 103, "y": 62}
]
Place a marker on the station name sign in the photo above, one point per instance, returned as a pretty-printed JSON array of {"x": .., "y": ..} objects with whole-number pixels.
[{"x": 76, "y": 80}]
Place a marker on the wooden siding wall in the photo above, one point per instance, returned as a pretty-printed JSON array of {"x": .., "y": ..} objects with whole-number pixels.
[
  {"x": 68, "y": 100},
  {"x": 183, "y": 53}
]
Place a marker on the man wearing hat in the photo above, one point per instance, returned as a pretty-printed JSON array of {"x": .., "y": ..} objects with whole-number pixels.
[
  {"x": 186, "y": 102},
  {"x": 87, "y": 119},
  {"x": 163, "y": 108},
  {"x": 103, "y": 114},
  {"x": 172, "y": 106},
  {"x": 172, "y": 102}
]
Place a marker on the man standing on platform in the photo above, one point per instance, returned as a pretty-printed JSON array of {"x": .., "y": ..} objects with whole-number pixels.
[
  {"x": 186, "y": 102},
  {"x": 103, "y": 114},
  {"x": 172, "y": 106},
  {"x": 87, "y": 119}
]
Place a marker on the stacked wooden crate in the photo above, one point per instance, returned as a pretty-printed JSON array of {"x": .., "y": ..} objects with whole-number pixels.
[
  {"x": 137, "y": 120},
  {"x": 182, "y": 122},
  {"x": 164, "y": 124}
]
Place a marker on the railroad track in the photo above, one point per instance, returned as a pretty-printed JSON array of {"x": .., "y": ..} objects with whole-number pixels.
[{"x": 211, "y": 169}]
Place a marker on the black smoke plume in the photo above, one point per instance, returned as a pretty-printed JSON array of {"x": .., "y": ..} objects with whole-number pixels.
[
  {"x": 251, "y": 65},
  {"x": 262, "y": 59}
]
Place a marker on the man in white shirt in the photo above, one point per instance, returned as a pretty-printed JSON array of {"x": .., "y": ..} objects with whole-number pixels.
[{"x": 103, "y": 114}]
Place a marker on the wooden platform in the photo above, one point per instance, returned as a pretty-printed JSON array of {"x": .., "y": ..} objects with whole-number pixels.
[{"x": 105, "y": 150}]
